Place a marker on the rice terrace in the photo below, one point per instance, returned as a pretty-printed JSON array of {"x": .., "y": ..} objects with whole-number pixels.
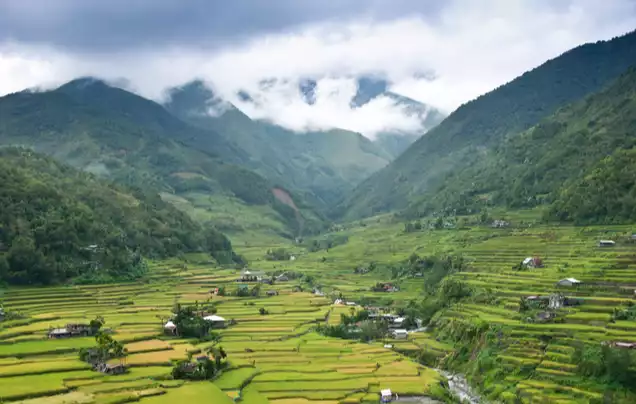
[{"x": 274, "y": 351}]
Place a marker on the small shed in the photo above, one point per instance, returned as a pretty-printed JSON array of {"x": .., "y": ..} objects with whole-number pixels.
[
  {"x": 400, "y": 334},
  {"x": 568, "y": 282},
  {"x": 606, "y": 243},
  {"x": 272, "y": 292},
  {"x": 351, "y": 303},
  {"x": 532, "y": 262},
  {"x": 386, "y": 395},
  {"x": 217, "y": 321}
]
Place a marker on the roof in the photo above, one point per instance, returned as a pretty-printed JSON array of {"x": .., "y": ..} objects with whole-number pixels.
[
  {"x": 527, "y": 260},
  {"x": 572, "y": 280},
  {"x": 607, "y": 241},
  {"x": 400, "y": 331},
  {"x": 399, "y": 320},
  {"x": 386, "y": 392},
  {"x": 170, "y": 325},
  {"x": 214, "y": 318},
  {"x": 59, "y": 331}
]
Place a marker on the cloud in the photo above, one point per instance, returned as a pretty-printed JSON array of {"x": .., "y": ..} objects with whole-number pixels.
[{"x": 444, "y": 58}]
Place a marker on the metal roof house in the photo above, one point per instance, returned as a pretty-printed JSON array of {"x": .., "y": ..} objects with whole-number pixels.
[
  {"x": 606, "y": 243},
  {"x": 568, "y": 282},
  {"x": 217, "y": 321}
]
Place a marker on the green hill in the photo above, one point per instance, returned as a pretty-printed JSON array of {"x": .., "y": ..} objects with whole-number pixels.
[
  {"x": 133, "y": 141},
  {"x": 58, "y": 223},
  {"x": 579, "y": 159},
  {"x": 476, "y": 127},
  {"x": 322, "y": 166}
]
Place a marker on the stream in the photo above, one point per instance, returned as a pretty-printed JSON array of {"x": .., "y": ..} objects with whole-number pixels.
[{"x": 460, "y": 387}]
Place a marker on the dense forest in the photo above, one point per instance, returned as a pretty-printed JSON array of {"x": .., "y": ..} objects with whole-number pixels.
[
  {"x": 59, "y": 224},
  {"x": 476, "y": 127},
  {"x": 133, "y": 141},
  {"x": 579, "y": 159}
]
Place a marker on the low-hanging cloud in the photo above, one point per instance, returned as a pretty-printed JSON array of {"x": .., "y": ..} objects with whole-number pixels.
[{"x": 467, "y": 49}]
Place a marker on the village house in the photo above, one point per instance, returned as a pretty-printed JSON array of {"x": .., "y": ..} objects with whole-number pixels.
[
  {"x": 217, "y": 321},
  {"x": 500, "y": 224},
  {"x": 386, "y": 396},
  {"x": 532, "y": 262},
  {"x": 272, "y": 293},
  {"x": 568, "y": 282},
  {"x": 606, "y": 243},
  {"x": 400, "y": 334},
  {"x": 71, "y": 330},
  {"x": 351, "y": 303},
  {"x": 624, "y": 345},
  {"x": 397, "y": 322},
  {"x": 111, "y": 369},
  {"x": 282, "y": 278},
  {"x": 251, "y": 276},
  {"x": 545, "y": 316}
]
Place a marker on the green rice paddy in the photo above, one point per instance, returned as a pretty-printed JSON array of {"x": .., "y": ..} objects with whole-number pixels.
[{"x": 277, "y": 358}]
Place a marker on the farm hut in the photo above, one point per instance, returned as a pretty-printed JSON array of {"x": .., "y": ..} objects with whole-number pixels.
[
  {"x": 568, "y": 282},
  {"x": 500, "y": 224},
  {"x": 59, "y": 333},
  {"x": 114, "y": 369},
  {"x": 400, "y": 334},
  {"x": 388, "y": 346},
  {"x": 2, "y": 315},
  {"x": 351, "y": 303},
  {"x": 170, "y": 328},
  {"x": 606, "y": 243},
  {"x": 338, "y": 301},
  {"x": 292, "y": 258},
  {"x": 272, "y": 293},
  {"x": 282, "y": 278},
  {"x": 386, "y": 395},
  {"x": 217, "y": 321}
]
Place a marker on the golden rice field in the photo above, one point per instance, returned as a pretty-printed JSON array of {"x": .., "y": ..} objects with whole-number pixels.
[{"x": 274, "y": 358}]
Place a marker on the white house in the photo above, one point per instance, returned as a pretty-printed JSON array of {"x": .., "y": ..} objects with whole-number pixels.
[
  {"x": 386, "y": 395},
  {"x": 351, "y": 304},
  {"x": 400, "y": 334},
  {"x": 217, "y": 321},
  {"x": 606, "y": 243},
  {"x": 568, "y": 282}
]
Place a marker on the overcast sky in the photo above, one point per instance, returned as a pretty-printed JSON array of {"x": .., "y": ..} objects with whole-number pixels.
[{"x": 442, "y": 53}]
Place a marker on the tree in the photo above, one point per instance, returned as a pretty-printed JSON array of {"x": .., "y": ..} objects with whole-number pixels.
[{"x": 262, "y": 311}]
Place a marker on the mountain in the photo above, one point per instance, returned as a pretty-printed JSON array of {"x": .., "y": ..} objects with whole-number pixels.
[
  {"x": 131, "y": 140},
  {"x": 320, "y": 166},
  {"x": 579, "y": 161},
  {"x": 471, "y": 132},
  {"x": 369, "y": 88},
  {"x": 59, "y": 224}
]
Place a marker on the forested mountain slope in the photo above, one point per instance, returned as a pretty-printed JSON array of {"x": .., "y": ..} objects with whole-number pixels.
[
  {"x": 465, "y": 136},
  {"x": 322, "y": 166},
  {"x": 580, "y": 159},
  {"x": 134, "y": 141},
  {"x": 58, "y": 223}
]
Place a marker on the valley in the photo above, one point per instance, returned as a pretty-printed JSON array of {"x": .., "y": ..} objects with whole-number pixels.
[{"x": 279, "y": 357}]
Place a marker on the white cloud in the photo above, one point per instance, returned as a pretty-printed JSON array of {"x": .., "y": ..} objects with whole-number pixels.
[{"x": 473, "y": 47}]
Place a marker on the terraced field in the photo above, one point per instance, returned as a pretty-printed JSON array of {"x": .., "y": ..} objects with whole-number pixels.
[
  {"x": 274, "y": 358},
  {"x": 537, "y": 357}
]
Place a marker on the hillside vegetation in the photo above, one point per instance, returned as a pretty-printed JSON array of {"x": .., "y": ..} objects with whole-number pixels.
[
  {"x": 321, "y": 166},
  {"x": 579, "y": 159},
  {"x": 57, "y": 223},
  {"x": 476, "y": 127},
  {"x": 136, "y": 142}
]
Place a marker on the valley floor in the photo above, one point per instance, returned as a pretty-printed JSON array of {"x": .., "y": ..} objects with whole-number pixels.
[{"x": 276, "y": 358}]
